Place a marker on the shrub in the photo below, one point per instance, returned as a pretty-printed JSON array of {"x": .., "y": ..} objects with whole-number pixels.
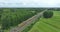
[{"x": 47, "y": 14}]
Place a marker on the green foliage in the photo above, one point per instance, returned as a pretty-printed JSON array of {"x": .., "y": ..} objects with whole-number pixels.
[
  {"x": 1, "y": 11},
  {"x": 47, "y": 14},
  {"x": 12, "y": 17}
]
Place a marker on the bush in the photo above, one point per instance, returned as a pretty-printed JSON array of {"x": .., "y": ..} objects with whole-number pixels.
[{"x": 47, "y": 14}]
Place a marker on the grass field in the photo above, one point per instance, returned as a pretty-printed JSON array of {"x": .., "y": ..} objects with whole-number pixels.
[{"x": 48, "y": 25}]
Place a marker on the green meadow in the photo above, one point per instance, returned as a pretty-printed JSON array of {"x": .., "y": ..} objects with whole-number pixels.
[{"x": 48, "y": 25}]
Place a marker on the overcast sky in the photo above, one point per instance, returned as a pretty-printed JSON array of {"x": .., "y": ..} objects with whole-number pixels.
[{"x": 29, "y": 3}]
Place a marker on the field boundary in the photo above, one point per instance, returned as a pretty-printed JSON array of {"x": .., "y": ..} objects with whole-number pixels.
[{"x": 24, "y": 24}]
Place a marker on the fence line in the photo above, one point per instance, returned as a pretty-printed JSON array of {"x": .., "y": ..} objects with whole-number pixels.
[{"x": 24, "y": 24}]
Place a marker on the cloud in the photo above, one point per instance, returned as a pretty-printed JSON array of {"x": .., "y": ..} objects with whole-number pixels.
[{"x": 29, "y": 3}]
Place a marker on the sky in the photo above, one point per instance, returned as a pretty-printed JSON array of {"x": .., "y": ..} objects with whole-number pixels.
[{"x": 29, "y": 3}]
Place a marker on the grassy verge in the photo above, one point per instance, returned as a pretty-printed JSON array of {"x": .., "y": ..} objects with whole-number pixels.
[{"x": 48, "y": 25}]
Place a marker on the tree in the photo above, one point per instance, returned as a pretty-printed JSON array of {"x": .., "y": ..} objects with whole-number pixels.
[{"x": 48, "y": 14}]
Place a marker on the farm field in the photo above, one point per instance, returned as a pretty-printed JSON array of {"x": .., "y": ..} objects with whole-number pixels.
[{"x": 48, "y": 25}]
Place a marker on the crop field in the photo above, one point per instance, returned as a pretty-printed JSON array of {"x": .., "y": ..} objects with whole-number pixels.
[{"x": 48, "y": 25}]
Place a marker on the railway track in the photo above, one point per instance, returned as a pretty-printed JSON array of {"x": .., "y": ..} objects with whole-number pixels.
[{"x": 24, "y": 24}]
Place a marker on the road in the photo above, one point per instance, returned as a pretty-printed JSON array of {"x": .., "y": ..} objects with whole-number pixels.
[{"x": 24, "y": 24}]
